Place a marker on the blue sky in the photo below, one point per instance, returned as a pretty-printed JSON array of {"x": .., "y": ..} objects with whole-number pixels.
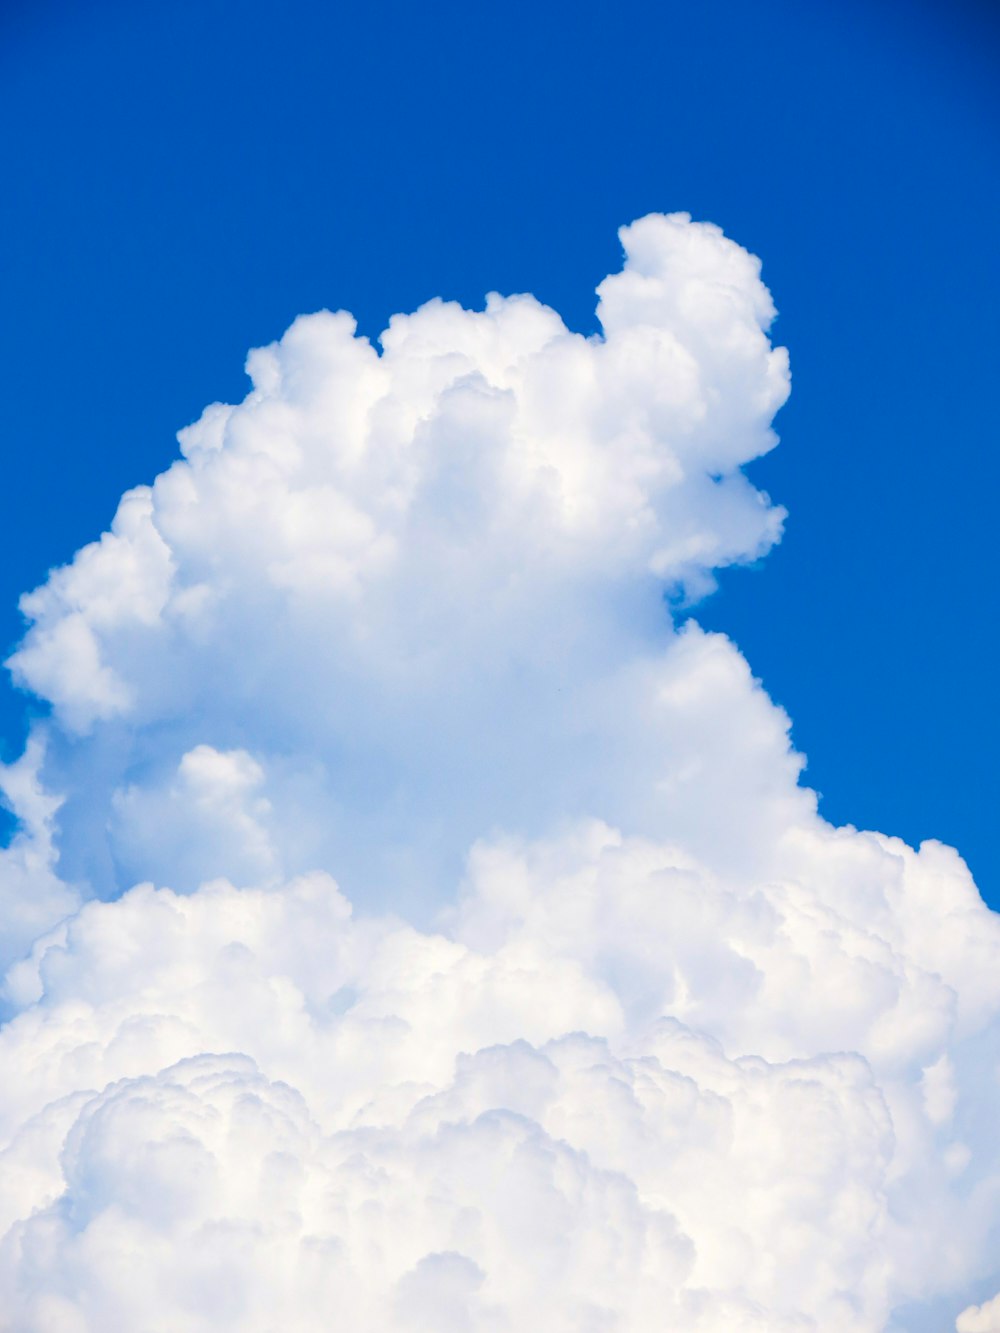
[
  {"x": 182, "y": 180},
  {"x": 405, "y": 915}
]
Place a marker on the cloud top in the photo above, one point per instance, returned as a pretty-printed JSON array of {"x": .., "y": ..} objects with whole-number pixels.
[{"x": 424, "y": 499}]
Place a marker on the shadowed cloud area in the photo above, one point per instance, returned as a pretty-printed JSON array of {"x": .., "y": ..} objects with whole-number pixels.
[{"x": 412, "y": 925}]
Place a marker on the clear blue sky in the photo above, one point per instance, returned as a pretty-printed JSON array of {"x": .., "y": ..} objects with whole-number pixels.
[{"x": 180, "y": 180}]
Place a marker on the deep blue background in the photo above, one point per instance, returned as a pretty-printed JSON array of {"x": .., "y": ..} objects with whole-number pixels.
[{"x": 180, "y": 180}]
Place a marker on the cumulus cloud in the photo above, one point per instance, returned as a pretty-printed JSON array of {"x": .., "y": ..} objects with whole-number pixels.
[
  {"x": 983, "y": 1318},
  {"x": 421, "y": 587},
  {"x": 410, "y": 926}
]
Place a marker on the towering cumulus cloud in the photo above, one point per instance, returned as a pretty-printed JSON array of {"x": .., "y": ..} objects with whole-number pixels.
[{"x": 409, "y": 926}]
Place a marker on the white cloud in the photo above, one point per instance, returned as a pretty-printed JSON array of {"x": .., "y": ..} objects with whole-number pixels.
[
  {"x": 32, "y": 896},
  {"x": 397, "y": 551},
  {"x": 618, "y": 1034},
  {"x": 983, "y": 1318},
  {"x": 208, "y": 820}
]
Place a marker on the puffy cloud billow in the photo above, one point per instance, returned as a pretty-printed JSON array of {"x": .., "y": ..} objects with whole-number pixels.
[{"x": 411, "y": 926}]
